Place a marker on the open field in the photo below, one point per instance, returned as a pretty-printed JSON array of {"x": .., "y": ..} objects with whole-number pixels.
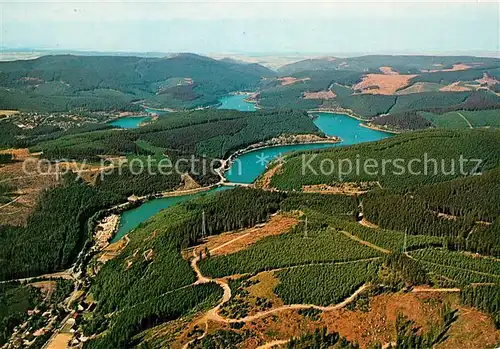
[
  {"x": 233, "y": 242},
  {"x": 382, "y": 83}
]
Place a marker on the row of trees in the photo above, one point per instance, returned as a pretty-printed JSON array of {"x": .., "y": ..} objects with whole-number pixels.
[
  {"x": 54, "y": 233},
  {"x": 323, "y": 284},
  {"x": 296, "y": 248}
]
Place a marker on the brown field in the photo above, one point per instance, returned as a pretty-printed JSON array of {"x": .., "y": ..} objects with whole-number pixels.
[
  {"x": 265, "y": 181},
  {"x": 320, "y": 95},
  {"x": 47, "y": 287},
  {"x": 8, "y": 112},
  {"x": 60, "y": 341},
  {"x": 388, "y": 71},
  {"x": 28, "y": 187},
  {"x": 232, "y": 242},
  {"x": 454, "y": 87},
  {"x": 290, "y": 80},
  {"x": 456, "y": 67},
  {"x": 383, "y": 84},
  {"x": 113, "y": 250}
]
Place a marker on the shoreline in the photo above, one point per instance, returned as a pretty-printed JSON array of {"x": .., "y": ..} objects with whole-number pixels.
[
  {"x": 226, "y": 164},
  {"x": 347, "y": 112},
  {"x": 375, "y": 128}
]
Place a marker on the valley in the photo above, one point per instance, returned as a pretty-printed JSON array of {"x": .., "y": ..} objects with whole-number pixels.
[{"x": 235, "y": 246}]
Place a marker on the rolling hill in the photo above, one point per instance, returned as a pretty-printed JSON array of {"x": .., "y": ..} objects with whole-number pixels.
[{"x": 67, "y": 83}]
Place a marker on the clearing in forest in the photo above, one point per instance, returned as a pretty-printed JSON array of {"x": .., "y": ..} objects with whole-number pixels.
[
  {"x": 232, "y": 242},
  {"x": 290, "y": 80},
  {"x": 383, "y": 84}
]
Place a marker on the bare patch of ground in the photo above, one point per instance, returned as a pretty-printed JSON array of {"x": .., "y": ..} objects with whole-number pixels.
[
  {"x": 456, "y": 67},
  {"x": 8, "y": 112},
  {"x": 368, "y": 224},
  {"x": 265, "y": 181},
  {"x": 366, "y": 243},
  {"x": 382, "y": 83},
  {"x": 454, "y": 87},
  {"x": 346, "y": 188},
  {"x": 60, "y": 341},
  {"x": 320, "y": 95},
  {"x": 290, "y": 80},
  {"x": 388, "y": 71},
  {"x": 113, "y": 250},
  {"x": 105, "y": 230},
  {"x": 188, "y": 182},
  {"x": 47, "y": 287},
  {"x": 487, "y": 80},
  {"x": 232, "y": 242},
  {"x": 378, "y": 324}
]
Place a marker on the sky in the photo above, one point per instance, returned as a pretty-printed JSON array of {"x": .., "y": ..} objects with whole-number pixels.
[{"x": 328, "y": 27}]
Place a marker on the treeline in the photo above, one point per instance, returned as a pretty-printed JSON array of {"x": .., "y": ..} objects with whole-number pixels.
[
  {"x": 410, "y": 336},
  {"x": 485, "y": 298},
  {"x": 154, "y": 176},
  {"x": 297, "y": 247},
  {"x": 54, "y": 233},
  {"x": 428, "y": 101}
]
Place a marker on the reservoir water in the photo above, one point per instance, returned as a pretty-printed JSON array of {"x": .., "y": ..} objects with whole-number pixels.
[
  {"x": 130, "y": 121},
  {"x": 236, "y": 102},
  {"x": 249, "y": 166},
  {"x": 132, "y": 218}
]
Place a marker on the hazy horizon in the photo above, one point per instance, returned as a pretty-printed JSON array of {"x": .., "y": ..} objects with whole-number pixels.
[{"x": 326, "y": 28}]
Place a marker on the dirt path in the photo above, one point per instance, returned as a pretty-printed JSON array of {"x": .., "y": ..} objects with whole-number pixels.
[
  {"x": 59, "y": 275},
  {"x": 366, "y": 243},
  {"x": 273, "y": 344},
  {"x": 429, "y": 289},
  {"x": 467, "y": 121}
]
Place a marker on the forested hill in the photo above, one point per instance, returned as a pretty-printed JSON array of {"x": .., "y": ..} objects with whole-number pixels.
[
  {"x": 67, "y": 82},
  {"x": 402, "y": 64}
]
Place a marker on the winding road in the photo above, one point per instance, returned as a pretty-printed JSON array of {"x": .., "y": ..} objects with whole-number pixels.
[{"x": 213, "y": 314}]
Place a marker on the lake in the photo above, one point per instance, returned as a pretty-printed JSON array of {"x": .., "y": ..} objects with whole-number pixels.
[
  {"x": 236, "y": 102},
  {"x": 131, "y": 219},
  {"x": 130, "y": 121},
  {"x": 247, "y": 167},
  {"x": 251, "y": 165}
]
